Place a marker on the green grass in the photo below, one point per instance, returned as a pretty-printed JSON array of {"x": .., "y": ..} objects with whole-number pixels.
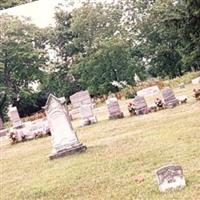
[{"x": 118, "y": 152}]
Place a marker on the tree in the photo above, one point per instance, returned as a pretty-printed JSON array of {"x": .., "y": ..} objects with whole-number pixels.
[
  {"x": 4, "y": 4},
  {"x": 111, "y": 62},
  {"x": 22, "y": 57}
]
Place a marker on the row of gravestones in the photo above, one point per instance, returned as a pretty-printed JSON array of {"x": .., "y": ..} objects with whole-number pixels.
[{"x": 66, "y": 142}]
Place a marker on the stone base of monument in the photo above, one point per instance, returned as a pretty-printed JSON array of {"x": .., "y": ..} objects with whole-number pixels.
[
  {"x": 117, "y": 116},
  {"x": 88, "y": 121},
  {"x": 65, "y": 152}
]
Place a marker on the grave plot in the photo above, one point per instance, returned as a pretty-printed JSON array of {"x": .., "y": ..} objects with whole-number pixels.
[
  {"x": 114, "y": 111},
  {"x": 21, "y": 131}
]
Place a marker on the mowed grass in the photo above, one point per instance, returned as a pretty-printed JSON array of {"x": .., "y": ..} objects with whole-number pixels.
[{"x": 119, "y": 152}]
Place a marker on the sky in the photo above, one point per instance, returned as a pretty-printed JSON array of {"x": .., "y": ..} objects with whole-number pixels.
[{"x": 42, "y": 12}]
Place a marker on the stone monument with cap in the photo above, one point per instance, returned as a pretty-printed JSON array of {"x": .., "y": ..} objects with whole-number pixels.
[{"x": 64, "y": 138}]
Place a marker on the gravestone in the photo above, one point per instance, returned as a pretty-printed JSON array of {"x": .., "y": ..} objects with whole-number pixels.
[
  {"x": 114, "y": 109},
  {"x": 196, "y": 81},
  {"x": 14, "y": 117},
  {"x": 77, "y": 99},
  {"x": 64, "y": 138},
  {"x": 140, "y": 105},
  {"x": 87, "y": 115},
  {"x": 148, "y": 91},
  {"x": 170, "y": 177},
  {"x": 169, "y": 97}
]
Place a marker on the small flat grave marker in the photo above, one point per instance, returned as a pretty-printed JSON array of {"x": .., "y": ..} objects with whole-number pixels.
[
  {"x": 64, "y": 138},
  {"x": 196, "y": 81},
  {"x": 170, "y": 177},
  {"x": 148, "y": 91},
  {"x": 114, "y": 109}
]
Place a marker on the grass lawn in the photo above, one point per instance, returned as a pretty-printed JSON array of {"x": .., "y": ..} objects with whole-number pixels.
[{"x": 119, "y": 152}]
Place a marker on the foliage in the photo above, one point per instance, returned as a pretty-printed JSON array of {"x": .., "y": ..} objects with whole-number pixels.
[
  {"x": 22, "y": 58},
  {"x": 4, "y": 4}
]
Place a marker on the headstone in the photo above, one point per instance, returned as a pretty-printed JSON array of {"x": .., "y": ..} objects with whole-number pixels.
[
  {"x": 114, "y": 109},
  {"x": 87, "y": 115},
  {"x": 14, "y": 117},
  {"x": 196, "y": 80},
  {"x": 64, "y": 138},
  {"x": 148, "y": 91},
  {"x": 170, "y": 177},
  {"x": 79, "y": 98},
  {"x": 169, "y": 97},
  {"x": 140, "y": 105}
]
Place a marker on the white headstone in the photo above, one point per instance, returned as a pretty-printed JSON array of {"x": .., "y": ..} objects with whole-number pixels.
[
  {"x": 14, "y": 117},
  {"x": 170, "y": 177},
  {"x": 87, "y": 115},
  {"x": 196, "y": 80},
  {"x": 64, "y": 138},
  {"x": 148, "y": 91}
]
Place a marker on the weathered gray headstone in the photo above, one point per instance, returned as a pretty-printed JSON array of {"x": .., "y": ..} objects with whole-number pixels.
[
  {"x": 14, "y": 117},
  {"x": 169, "y": 97},
  {"x": 140, "y": 105},
  {"x": 64, "y": 138},
  {"x": 114, "y": 109},
  {"x": 170, "y": 177},
  {"x": 87, "y": 115}
]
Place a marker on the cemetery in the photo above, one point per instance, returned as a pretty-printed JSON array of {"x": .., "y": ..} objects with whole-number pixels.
[
  {"x": 99, "y": 100},
  {"x": 146, "y": 155}
]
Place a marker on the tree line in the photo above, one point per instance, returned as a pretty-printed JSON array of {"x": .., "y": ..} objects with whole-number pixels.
[{"x": 94, "y": 45}]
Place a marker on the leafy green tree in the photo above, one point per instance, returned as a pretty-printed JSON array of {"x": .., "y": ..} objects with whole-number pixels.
[
  {"x": 22, "y": 57},
  {"x": 4, "y": 4},
  {"x": 111, "y": 62}
]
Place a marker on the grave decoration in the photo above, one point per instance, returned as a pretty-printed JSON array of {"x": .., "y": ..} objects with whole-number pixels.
[
  {"x": 113, "y": 108},
  {"x": 87, "y": 115},
  {"x": 196, "y": 94},
  {"x": 64, "y": 138},
  {"x": 170, "y": 177},
  {"x": 169, "y": 98},
  {"x": 140, "y": 105}
]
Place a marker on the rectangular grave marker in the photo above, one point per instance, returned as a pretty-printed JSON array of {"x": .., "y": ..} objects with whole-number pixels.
[
  {"x": 169, "y": 97},
  {"x": 87, "y": 115},
  {"x": 148, "y": 91},
  {"x": 140, "y": 105},
  {"x": 170, "y": 177},
  {"x": 114, "y": 109},
  {"x": 14, "y": 117}
]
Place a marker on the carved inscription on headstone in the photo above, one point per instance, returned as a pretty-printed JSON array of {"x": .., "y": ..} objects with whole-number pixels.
[{"x": 170, "y": 177}]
